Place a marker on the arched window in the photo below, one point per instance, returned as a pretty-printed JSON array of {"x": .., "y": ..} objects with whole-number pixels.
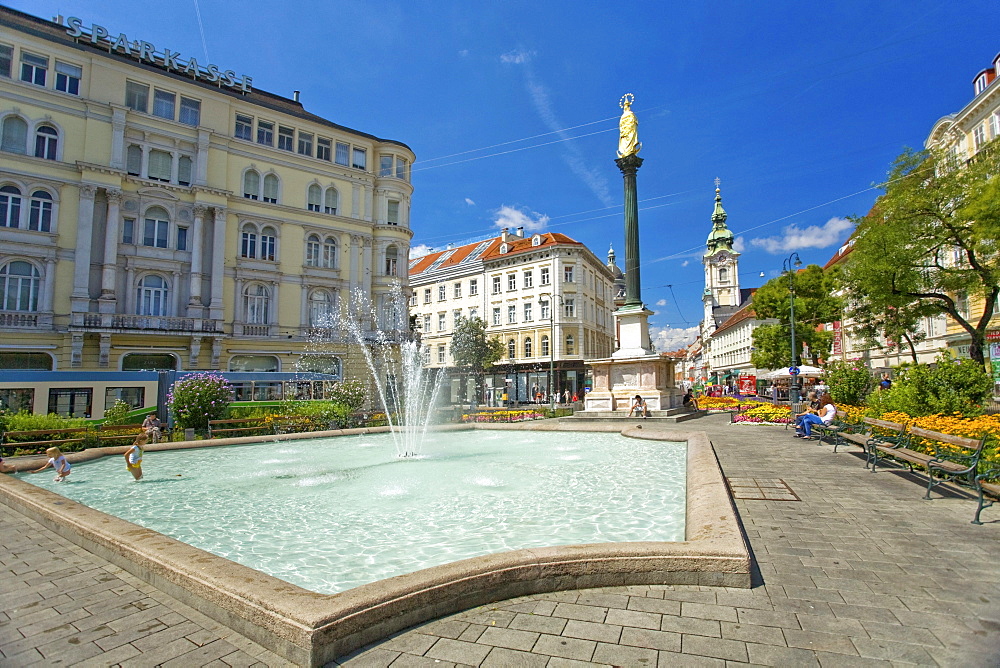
[
  {"x": 133, "y": 160},
  {"x": 257, "y": 304},
  {"x": 19, "y": 283},
  {"x": 313, "y": 250},
  {"x": 265, "y": 363},
  {"x": 46, "y": 142},
  {"x": 391, "y": 257},
  {"x": 314, "y": 197},
  {"x": 527, "y": 347},
  {"x": 248, "y": 243},
  {"x": 329, "y": 253},
  {"x": 512, "y": 349},
  {"x": 271, "y": 189},
  {"x": 40, "y": 212},
  {"x": 148, "y": 361},
  {"x": 152, "y": 296},
  {"x": 10, "y": 207},
  {"x": 15, "y": 135},
  {"x": 320, "y": 308},
  {"x": 723, "y": 274},
  {"x": 251, "y": 184},
  {"x": 268, "y": 241},
  {"x": 545, "y": 346},
  {"x": 156, "y": 227},
  {"x": 570, "y": 342},
  {"x": 331, "y": 200}
]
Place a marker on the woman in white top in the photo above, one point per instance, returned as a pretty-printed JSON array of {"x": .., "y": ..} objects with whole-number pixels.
[{"x": 828, "y": 413}]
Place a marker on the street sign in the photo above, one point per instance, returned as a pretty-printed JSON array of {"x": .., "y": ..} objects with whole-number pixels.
[{"x": 793, "y": 370}]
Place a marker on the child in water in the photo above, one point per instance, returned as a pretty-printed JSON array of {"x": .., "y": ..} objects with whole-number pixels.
[
  {"x": 133, "y": 456},
  {"x": 58, "y": 461}
]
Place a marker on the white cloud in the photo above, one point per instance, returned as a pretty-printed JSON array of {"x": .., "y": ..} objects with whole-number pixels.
[
  {"x": 685, "y": 263},
  {"x": 662, "y": 302},
  {"x": 420, "y": 251},
  {"x": 516, "y": 57},
  {"x": 463, "y": 53},
  {"x": 667, "y": 339},
  {"x": 469, "y": 201},
  {"x": 531, "y": 221},
  {"x": 814, "y": 236},
  {"x": 740, "y": 244}
]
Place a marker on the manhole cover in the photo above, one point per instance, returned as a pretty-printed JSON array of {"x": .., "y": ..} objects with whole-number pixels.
[{"x": 761, "y": 489}]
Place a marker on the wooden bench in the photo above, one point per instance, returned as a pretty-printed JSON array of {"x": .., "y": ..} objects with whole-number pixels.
[
  {"x": 37, "y": 437},
  {"x": 115, "y": 434},
  {"x": 957, "y": 459},
  {"x": 890, "y": 435},
  {"x": 991, "y": 488},
  {"x": 255, "y": 424},
  {"x": 836, "y": 430}
]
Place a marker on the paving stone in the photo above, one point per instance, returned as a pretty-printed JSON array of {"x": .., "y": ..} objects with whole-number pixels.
[
  {"x": 897, "y": 632},
  {"x": 568, "y": 648},
  {"x": 377, "y": 657},
  {"x": 775, "y": 655},
  {"x": 501, "y": 657},
  {"x": 768, "y": 635},
  {"x": 650, "y": 639},
  {"x": 825, "y": 642},
  {"x": 412, "y": 643},
  {"x": 892, "y": 651},
  {"x": 730, "y": 650},
  {"x": 754, "y": 617},
  {"x": 538, "y": 623},
  {"x": 582, "y": 612},
  {"x": 621, "y": 655},
  {"x": 592, "y": 631},
  {"x": 603, "y": 599},
  {"x": 701, "y": 627},
  {"x": 561, "y": 662},
  {"x": 412, "y": 661},
  {"x": 508, "y": 638},
  {"x": 836, "y": 625},
  {"x": 446, "y": 628},
  {"x": 447, "y": 649},
  {"x": 674, "y": 659},
  {"x": 655, "y": 605},
  {"x": 642, "y": 620},
  {"x": 706, "y": 611}
]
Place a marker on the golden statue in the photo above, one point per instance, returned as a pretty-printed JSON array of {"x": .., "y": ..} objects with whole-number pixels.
[{"x": 628, "y": 128}]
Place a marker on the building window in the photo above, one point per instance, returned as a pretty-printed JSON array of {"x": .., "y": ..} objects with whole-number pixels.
[
  {"x": 473, "y": 286},
  {"x": 251, "y": 184},
  {"x": 305, "y": 144},
  {"x": 544, "y": 278},
  {"x": 496, "y": 315},
  {"x": 182, "y": 238},
  {"x": 286, "y": 138},
  {"x": 456, "y": 315},
  {"x": 392, "y": 212},
  {"x": 258, "y": 363},
  {"x": 248, "y": 242},
  {"x": 979, "y": 86},
  {"x": 135, "y": 397},
  {"x": 133, "y": 160},
  {"x": 152, "y": 296},
  {"x": 68, "y": 78},
  {"x": 163, "y": 104},
  {"x": 256, "y": 305},
  {"x": 320, "y": 308},
  {"x": 265, "y": 133},
  {"x": 391, "y": 259},
  {"x": 271, "y": 188},
  {"x": 184, "y": 168},
  {"x": 155, "y": 227},
  {"x": 401, "y": 166},
  {"x": 343, "y": 150},
  {"x": 34, "y": 68},
  {"x": 723, "y": 275},
  {"x": 511, "y": 349},
  {"x": 128, "y": 231},
  {"x": 427, "y": 323},
  {"x": 527, "y": 312},
  {"x": 160, "y": 164},
  {"x": 137, "y": 96},
  {"x": 268, "y": 241},
  {"x": 457, "y": 290},
  {"x": 511, "y": 315},
  {"x": 190, "y": 111},
  {"x": 26, "y": 361},
  {"x": 527, "y": 279},
  {"x": 442, "y": 293},
  {"x": 6, "y": 60},
  {"x": 441, "y": 355},
  {"x": 473, "y": 312},
  {"x": 569, "y": 308},
  {"x": 19, "y": 283},
  {"x": 442, "y": 322},
  {"x": 40, "y": 212},
  {"x": 148, "y": 361},
  {"x": 330, "y": 201},
  {"x": 979, "y": 136},
  {"x": 244, "y": 127},
  {"x": 545, "y": 346},
  {"x": 570, "y": 343},
  {"x": 313, "y": 250},
  {"x": 527, "y": 347},
  {"x": 323, "y": 149},
  {"x": 10, "y": 207},
  {"x": 568, "y": 274},
  {"x": 511, "y": 282},
  {"x": 360, "y": 158},
  {"x": 543, "y": 306},
  {"x": 427, "y": 295},
  {"x": 385, "y": 165},
  {"x": 15, "y": 135},
  {"x": 496, "y": 285},
  {"x": 313, "y": 197}
]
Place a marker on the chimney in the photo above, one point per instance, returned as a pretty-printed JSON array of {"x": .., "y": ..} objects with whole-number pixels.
[
  {"x": 520, "y": 232},
  {"x": 504, "y": 235},
  {"x": 295, "y": 95}
]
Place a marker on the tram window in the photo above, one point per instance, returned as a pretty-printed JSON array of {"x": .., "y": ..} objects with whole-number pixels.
[
  {"x": 17, "y": 399},
  {"x": 135, "y": 397},
  {"x": 71, "y": 402},
  {"x": 266, "y": 391},
  {"x": 242, "y": 391}
]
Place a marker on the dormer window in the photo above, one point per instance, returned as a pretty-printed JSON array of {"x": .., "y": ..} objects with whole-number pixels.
[
  {"x": 536, "y": 240},
  {"x": 980, "y": 83},
  {"x": 504, "y": 248}
]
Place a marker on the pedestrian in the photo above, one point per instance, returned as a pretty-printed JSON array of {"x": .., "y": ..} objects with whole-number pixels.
[
  {"x": 133, "y": 456},
  {"x": 885, "y": 383},
  {"x": 58, "y": 461},
  {"x": 689, "y": 401}
]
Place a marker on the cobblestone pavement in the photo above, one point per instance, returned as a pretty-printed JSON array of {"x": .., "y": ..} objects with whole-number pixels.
[{"x": 858, "y": 571}]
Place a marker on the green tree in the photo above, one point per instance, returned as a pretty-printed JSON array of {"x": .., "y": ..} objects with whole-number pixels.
[
  {"x": 930, "y": 242},
  {"x": 117, "y": 414},
  {"x": 892, "y": 328},
  {"x": 473, "y": 351},
  {"x": 948, "y": 386},
  {"x": 849, "y": 381},
  {"x": 198, "y": 398},
  {"x": 815, "y": 304}
]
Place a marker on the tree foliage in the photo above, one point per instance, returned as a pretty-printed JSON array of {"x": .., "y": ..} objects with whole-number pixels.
[
  {"x": 471, "y": 348},
  {"x": 815, "y": 304},
  {"x": 931, "y": 242},
  {"x": 948, "y": 386},
  {"x": 850, "y": 381}
]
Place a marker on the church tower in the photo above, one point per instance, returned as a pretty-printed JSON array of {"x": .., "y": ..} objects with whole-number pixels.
[{"x": 722, "y": 278}]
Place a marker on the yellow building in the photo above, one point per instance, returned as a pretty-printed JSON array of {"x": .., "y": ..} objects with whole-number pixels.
[
  {"x": 160, "y": 213},
  {"x": 962, "y": 135}
]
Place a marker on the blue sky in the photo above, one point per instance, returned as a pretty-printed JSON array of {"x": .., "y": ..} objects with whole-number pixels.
[{"x": 512, "y": 108}]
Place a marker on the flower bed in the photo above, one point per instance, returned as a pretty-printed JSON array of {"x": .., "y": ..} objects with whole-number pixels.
[
  {"x": 763, "y": 413},
  {"x": 502, "y": 416}
]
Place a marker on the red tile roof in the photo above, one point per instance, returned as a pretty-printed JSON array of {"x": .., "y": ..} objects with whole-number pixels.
[{"x": 515, "y": 245}]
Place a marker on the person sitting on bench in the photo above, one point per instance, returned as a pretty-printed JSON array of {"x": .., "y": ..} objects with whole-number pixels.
[
  {"x": 639, "y": 404},
  {"x": 690, "y": 402}
]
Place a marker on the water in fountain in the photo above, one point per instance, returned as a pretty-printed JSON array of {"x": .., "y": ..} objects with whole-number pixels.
[{"x": 394, "y": 359}]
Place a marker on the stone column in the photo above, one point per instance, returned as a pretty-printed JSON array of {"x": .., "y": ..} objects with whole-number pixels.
[
  {"x": 175, "y": 160},
  {"x": 80, "y": 299},
  {"x": 355, "y": 259},
  {"x": 197, "y": 231},
  {"x": 218, "y": 263},
  {"x": 175, "y": 298},
  {"x": 48, "y": 295},
  {"x": 130, "y": 289},
  {"x": 629, "y": 165},
  {"x": 144, "y": 167},
  {"x": 109, "y": 272}
]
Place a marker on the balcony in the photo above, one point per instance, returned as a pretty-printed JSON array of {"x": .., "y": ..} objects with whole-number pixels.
[
  {"x": 253, "y": 330},
  {"x": 122, "y": 322},
  {"x": 25, "y": 320}
]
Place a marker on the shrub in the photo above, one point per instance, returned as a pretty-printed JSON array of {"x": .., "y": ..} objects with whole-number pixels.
[
  {"x": 117, "y": 414},
  {"x": 949, "y": 386},
  {"x": 351, "y": 394},
  {"x": 198, "y": 398},
  {"x": 849, "y": 381},
  {"x": 25, "y": 421}
]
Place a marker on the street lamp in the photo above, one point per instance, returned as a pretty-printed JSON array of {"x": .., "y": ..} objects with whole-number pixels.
[{"x": 790, "y": 266}]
